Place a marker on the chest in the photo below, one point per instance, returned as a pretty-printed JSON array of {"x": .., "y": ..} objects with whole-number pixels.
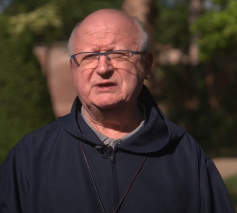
[{"x": 72, "y": 182}]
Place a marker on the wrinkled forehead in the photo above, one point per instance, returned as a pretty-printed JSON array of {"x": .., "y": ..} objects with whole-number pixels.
[{"x": 106, "y": 27}]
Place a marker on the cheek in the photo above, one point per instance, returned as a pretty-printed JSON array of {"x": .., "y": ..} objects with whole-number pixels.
[
  {"x": 132, "y": 83},
  {"x": 133, "y": 75},
  {"x": 80, "y": 83}
]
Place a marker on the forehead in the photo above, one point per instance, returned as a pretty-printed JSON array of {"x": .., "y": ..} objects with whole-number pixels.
[{"x": 106, "y": 35}]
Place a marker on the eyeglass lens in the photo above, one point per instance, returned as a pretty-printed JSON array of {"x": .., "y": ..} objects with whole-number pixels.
[{"x": 90, "y": 60}]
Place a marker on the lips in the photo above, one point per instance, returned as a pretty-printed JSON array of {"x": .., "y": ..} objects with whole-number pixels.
[
  {"x": 106, "y": 84},
  {"x": 106, "y": 87}
]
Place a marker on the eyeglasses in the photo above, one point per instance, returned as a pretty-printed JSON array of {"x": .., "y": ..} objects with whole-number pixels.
[{"x": 89, "y": 60}]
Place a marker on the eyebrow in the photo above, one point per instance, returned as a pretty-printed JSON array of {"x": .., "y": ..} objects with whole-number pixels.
[{"x": 103, "y": 48}]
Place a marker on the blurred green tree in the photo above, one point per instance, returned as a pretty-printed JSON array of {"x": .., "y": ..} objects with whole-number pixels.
[
  {"x": 53, "y": 20},
  {"x": 25, "y": 103},
  {"x": 172, "y": 25},
  {"x": 202, "y": 98},
  {"x": 218, "y": 31}
]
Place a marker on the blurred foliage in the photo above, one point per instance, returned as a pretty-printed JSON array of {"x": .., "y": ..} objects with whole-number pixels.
[
  {"x": 217, "y": 31},
  {"x": 221, "y": 3},
  {"x": 54, "y": 20},
  {"x": 25, "y": 103},
  {"x": 172, "y": 25},
  {"x": 36, "y": 21},
  {"x": 231, "y": 184},
  {"x": 201, "y": 98},
  {"x": 188, "y": 99}
]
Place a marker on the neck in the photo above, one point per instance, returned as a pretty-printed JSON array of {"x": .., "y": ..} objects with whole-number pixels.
[{"x": 114, "y": 123}]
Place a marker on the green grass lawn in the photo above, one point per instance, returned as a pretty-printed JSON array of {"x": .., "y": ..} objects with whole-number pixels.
[{"x": 231, "y": 184}]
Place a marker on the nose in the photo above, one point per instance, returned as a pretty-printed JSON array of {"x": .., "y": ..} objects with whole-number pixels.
[{"x": 104, "y": 67}]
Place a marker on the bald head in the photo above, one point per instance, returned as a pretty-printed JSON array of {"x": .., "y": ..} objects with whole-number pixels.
[{"x": 107, "y": 19}]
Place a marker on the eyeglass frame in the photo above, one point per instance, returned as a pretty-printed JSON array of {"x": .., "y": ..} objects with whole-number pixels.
[{"x": 73, "y": 57}]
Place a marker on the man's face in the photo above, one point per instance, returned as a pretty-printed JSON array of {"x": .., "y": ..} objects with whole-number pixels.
[{"x": 108, "y": 85}]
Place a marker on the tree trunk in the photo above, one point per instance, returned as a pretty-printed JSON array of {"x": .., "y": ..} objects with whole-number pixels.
[{"x": 196, "y": 9}]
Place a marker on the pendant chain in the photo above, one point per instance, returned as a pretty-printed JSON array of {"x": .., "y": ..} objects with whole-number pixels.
[{"x": 96, "y": 189}]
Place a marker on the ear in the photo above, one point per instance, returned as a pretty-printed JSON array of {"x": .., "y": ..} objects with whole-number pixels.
[{"x": 148, "y": 65}]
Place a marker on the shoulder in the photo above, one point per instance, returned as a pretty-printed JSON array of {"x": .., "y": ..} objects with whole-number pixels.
[
  {"x": 189, "y": 148},
  {"x": 36, "y": 145},
  {"x": 47, "y": 130},
  {"x": 191, "y": 143},
  {"x": 39, "y": 137}
]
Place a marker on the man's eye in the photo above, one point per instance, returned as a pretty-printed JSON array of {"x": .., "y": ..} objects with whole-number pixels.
[
  {"x": 90, "y": 57},
  {"x": 118, "y": 55}
]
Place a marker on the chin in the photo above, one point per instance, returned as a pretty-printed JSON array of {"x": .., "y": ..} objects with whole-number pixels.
[{"x": 108, "y": 104}]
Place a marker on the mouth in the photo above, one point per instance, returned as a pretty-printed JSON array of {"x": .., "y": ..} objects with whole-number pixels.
[{"x": 106, "y": 85}]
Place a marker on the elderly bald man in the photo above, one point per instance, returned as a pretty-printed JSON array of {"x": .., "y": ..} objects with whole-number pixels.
[{"x": 115, "y": 151}]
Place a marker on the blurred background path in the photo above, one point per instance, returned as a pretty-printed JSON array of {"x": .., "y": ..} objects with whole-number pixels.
[{"x": 226, "y": 166}]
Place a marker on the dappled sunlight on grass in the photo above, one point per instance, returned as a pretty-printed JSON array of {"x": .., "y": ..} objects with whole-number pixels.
[{"x": 231, "y": 184}]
